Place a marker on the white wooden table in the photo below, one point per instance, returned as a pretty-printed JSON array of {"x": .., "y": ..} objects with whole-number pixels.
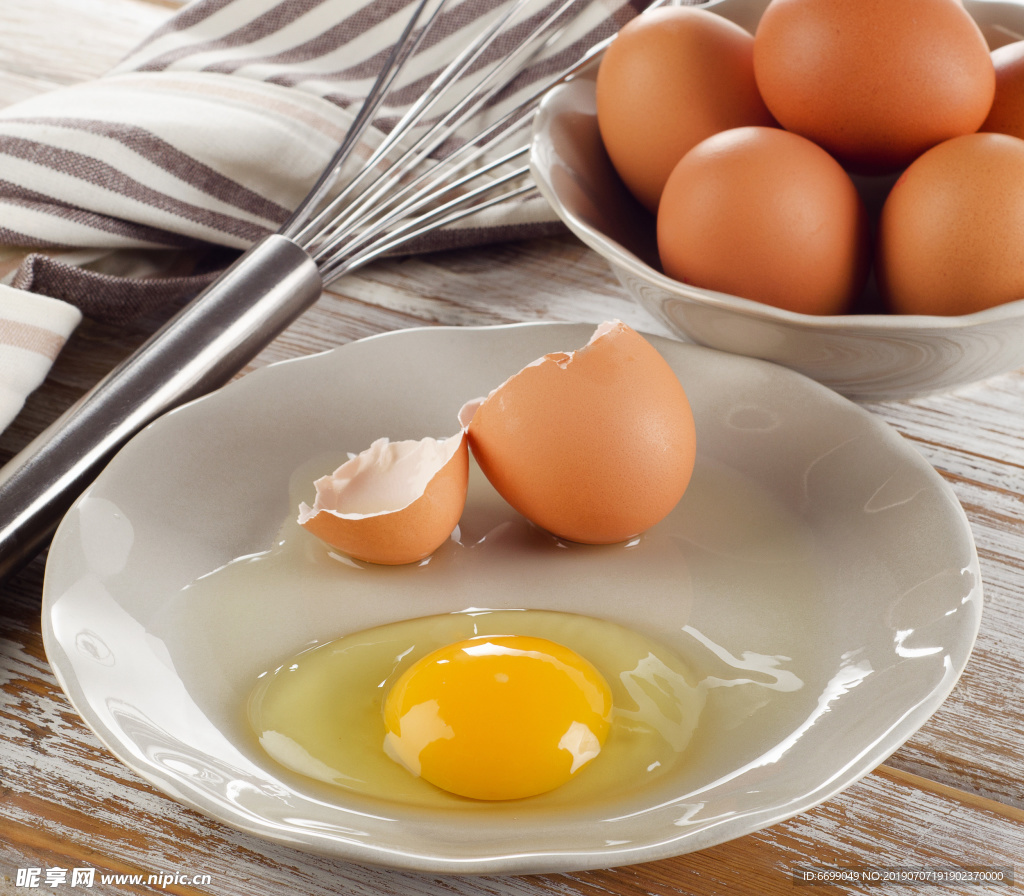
[{"x": 953, "y": 795}]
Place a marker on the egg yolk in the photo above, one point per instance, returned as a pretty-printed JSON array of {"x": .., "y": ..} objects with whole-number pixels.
[{"x": 498, "y": 717}]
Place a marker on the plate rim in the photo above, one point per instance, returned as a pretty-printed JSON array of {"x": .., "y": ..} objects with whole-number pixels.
[{"x": 513, "y": 861}]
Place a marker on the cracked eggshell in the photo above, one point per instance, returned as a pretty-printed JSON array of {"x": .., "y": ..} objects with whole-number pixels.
[
  {"x": 395, "y": 502},
  {"x": 595, "y": 446}
]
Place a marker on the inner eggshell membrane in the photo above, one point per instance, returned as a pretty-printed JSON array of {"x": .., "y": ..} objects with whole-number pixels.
[{"x": 394, "y": 502}]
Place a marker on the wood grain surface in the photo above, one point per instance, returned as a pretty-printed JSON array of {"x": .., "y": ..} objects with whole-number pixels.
[{"x": 952, "y": 796}]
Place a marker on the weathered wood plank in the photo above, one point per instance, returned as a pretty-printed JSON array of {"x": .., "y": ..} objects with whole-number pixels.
[{"x": 975, "y": 438}]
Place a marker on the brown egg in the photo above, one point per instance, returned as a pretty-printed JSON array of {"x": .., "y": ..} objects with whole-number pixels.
[
  {"x": 595, "y": 445},
  {"x": 1007, "y": 113},
  {"x": 670, "y": 78},
  {"x": 951, "y": 233},
  {"x": 875, "y": 82},
  {"x": 767, "y": 215},
  {"x": 395, "y": 502}
]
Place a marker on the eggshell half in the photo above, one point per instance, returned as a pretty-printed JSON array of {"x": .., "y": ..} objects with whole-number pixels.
[
  {"x": 395, "y": 502},
  {"x": 596, "y": 445}
]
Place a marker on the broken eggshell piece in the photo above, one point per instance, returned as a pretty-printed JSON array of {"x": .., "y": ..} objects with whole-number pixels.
[
  {"x": 595, "y": 445},
  {"x": 395, "y": 502}
]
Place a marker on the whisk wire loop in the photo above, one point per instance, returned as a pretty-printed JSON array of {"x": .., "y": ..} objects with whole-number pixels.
[
  {"x": 448, "y": 76},
  {"x": 401, "y": 51},
  {"x": 382, "y": 192},
  {"x": 449, "y": 213},
  {"x": 429, "y": 185},
  {"x": 366, "y": 248}
]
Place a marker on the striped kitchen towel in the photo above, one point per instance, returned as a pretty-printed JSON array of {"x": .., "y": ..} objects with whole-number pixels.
[
  {"x": 216, "y": 126},
  {"x": 33, "y": 329}
]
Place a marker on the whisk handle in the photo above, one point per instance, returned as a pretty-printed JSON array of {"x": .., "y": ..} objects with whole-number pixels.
[{"x": 196, "y": 351}]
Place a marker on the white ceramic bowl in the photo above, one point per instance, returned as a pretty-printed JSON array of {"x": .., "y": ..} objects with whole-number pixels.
[
  {"x": 819, "y": 577},
  {"x": 864, "y": 355}
]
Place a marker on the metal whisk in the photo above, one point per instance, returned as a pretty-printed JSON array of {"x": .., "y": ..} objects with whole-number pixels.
[{"x": 400, "y": 193}]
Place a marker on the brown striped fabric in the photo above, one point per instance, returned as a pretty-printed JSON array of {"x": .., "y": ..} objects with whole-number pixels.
[
  {"x": 217, "y": 125},
  {"x": 33, "y": 329},
  {"x": 31, "y": 337}
]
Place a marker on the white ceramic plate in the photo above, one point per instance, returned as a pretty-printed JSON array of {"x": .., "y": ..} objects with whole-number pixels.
[
  {"x": 818, "y": 574},
  {"x": 865, "y": 356}
]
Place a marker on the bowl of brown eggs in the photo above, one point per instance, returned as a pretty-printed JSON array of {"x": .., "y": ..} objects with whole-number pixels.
[{"x": 836, "y": 189}]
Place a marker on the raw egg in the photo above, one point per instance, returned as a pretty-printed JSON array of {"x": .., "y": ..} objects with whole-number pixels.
[
  {"x": 439, "y": 710},
  {"x": 672, "y": 77},
  {"x": 595, "y": 445},
  {"x": 498, "y": 717},
  {"x": 874, "y": 82},
  {"x": 951, "y": 232},
  {"x": 1007, "y": 113},
  {"x": 767, "y": 215},
  {"x": 393, "y": 503}
]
